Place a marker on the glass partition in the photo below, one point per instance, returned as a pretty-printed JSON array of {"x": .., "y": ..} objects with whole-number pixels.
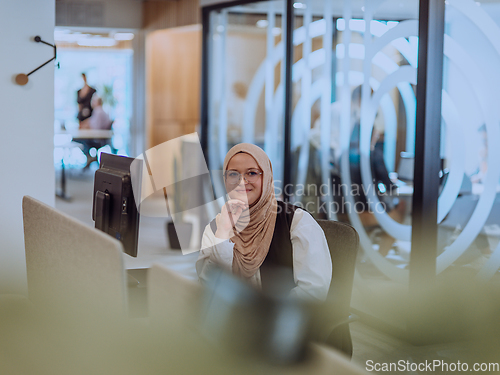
[
  {"x": 353, "y": 127},
  {"x": 245, "y": 85},
  {"x": 353, "y": 133},
  {"x": 469, "y": 205}
]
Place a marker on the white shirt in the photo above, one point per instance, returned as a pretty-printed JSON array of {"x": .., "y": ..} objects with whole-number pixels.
[{"x": 312, "y": 264}]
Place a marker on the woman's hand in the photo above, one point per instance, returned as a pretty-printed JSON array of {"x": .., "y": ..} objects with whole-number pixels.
[{"x": 230, "y": 214}]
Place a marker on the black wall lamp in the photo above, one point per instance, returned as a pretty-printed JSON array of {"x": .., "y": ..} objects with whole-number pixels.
[{"x": 22, "y": 79}]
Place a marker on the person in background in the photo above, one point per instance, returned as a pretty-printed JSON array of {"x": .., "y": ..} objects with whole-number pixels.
[
  {"x": 99, "y": 119},
  {"x": 84, "y": 100},
  {"x": 271, "y": 244}
]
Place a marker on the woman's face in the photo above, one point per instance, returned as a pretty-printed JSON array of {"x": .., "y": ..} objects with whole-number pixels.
[{"x": 245, "y": 191}]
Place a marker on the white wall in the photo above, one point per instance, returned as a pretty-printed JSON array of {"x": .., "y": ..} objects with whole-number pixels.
[{"x": 26, "y": 127}]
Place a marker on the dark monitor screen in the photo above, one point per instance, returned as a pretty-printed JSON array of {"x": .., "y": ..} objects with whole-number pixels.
[{"x": 114, "y": 210}]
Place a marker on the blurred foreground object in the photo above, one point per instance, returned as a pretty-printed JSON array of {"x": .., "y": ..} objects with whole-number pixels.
[
  {"x": 38, "y": 339},
  {"x": 76, "y": 321},
  {"x": 459, "y": 307},
  {"x": 32, "y": 342},
  {"x": 238, "y": 317}
]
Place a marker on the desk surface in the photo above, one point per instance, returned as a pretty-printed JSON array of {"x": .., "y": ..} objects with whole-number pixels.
[
  {"x": 153, "y": 248},
  {"x": 172, "y": 259}
]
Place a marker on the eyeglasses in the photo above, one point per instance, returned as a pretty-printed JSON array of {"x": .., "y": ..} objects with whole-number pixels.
[{"x": 234, "y": 178}]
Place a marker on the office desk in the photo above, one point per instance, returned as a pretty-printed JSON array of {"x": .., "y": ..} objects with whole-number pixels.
[
  {"x": 153, "y": 247},
  {"x": 172, "y": 259},
  {"x": 89, "y": 138},
  {"x": 137, "y": 270},
  {"x": 87, "y": 133},
  {"x": 85, "y": 139}
]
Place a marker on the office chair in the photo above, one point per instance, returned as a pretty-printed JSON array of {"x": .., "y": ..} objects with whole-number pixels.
[{"x": 343, "y": 242}]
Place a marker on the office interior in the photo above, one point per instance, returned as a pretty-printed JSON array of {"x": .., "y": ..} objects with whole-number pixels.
[{"x": 415, "y": 78}]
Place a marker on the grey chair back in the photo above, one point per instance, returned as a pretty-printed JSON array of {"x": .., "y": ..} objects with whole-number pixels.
[
  {"x": 172, "y": 298},
  {"x": 71, "y": 265}
]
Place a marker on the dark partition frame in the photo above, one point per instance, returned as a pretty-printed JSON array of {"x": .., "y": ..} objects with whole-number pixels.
[{"x": 427, "y": 147}]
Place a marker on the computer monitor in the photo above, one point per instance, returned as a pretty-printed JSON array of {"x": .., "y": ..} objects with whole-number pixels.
[{"x": 114, "y": 210}]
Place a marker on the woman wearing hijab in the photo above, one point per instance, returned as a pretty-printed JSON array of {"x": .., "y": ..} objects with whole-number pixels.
[{"x": 267, "y": 242}]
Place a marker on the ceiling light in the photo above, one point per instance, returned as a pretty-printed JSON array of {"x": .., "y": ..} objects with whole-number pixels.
[
  {"x": 299, "y": 5},
  {"x": 124, "y": 36},
  {"x": 61, "y": 31},
  {"x": 262, "y": 24},
  {"x": 97, "y": 42},
  {"x": 69, "y": 37}
]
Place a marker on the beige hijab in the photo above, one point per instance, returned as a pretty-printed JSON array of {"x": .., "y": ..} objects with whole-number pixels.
[{"x": 255, "y": 228}]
